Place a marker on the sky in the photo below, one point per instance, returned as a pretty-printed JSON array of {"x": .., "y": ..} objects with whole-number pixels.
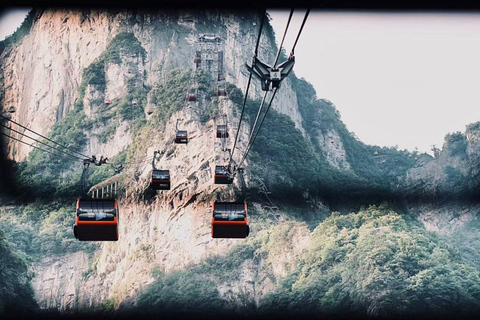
[
  {"x": 397, "y": 79},
  {"x": 403, "y": 79},
  {"x": 10, "y": 20}
]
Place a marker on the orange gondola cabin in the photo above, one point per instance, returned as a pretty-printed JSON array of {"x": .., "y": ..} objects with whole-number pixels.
[
  {"x": 160, "y": 180},
  {"x": 181, "y": 136},
  {"x": 96, "y": 220},
  {"x": 222, "y": 175},
  {"x": 221, "y": 91},
  {"x": 198, "y": 57},
  {"x": 222, "y": 131},
  {"x": 230, "y": 220},
  {"x": 192, "y": 95}
]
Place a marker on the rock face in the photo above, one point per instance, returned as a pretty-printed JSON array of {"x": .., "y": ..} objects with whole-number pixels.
[
  {"x": 42, "y": 77},
  {"x": 442, "y": 183},
  {"x": 448, "y": 172},
  {"x": 333, "y": 148},
  {"x": 43, "y": 72}
]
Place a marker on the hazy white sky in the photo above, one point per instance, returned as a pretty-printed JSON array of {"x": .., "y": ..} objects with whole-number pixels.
[
  {"x": 10, "y": 20},
  {"x": 397, "y": 79},
  {"x": 403, "y": 79}
]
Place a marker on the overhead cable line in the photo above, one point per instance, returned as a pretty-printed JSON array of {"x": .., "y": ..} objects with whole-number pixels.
[
  {"x": 283, "y": 39},
  {"x": 248, "y": 87},
  {"x": 300, "y": 32},
  {"x": 31, "y": 145},
  {"x": 258, "y": 130},
  {"x": 71, "y": 150},
  {"x": 260, "y": 31},
  {"x": 38, "y": 141},
  {"x": 256, "y": 118}
]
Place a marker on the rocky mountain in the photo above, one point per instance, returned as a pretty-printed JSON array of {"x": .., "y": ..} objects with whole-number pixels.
[{"x": 114, "y": 83}]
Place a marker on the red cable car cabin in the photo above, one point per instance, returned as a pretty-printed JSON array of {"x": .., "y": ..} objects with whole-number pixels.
[
  {"x": 222, "y": 175},
  {"x": 191, "y": 95},
  {"x": 198, "y": 57},
  {"x": 108, "y": 102},
  {"x": 221, "y": 92},
  {"x": 181, "y": 136},
  {"x": 160, "y": 180},
  {"x": 230, "y": 220},
  {"x": 222, "y": 131},
  {"x": 97, "y": 220}
]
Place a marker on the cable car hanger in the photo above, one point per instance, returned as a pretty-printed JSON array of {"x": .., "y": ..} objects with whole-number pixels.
[{"x": 271, "y": 76}]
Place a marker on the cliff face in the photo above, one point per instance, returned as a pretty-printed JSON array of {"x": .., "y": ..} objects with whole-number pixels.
[
  {"x": 43, "y": 72},
  {"x": 453, "y": 170},
  {"x": 43, "y": 77},
  {"x": 444, "y": 183}
]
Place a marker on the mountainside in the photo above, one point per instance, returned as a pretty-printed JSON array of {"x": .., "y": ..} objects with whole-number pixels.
[{"x": 113, "y": 83}]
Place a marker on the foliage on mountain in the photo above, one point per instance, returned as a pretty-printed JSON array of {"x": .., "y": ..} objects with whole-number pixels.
[
  {"x": 381, "y": 167},
  {"x": 16, "y": 293},
  {"x": 456, "y": 143},
  {"x": 167, "y": 99},
  {"x": 378, "y": 263},
  {"x": 41, "y": 229},
  {"x": 57, "y": 175},
  {"x": 21, "y": 31}
]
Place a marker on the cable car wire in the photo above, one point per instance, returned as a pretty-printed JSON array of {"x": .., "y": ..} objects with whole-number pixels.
[
  {"x": 246, "y": 90},
  {"x": 71, "y": 150},
  {"x": 283, "y": 39},
  {"x": 38, "y": 141},
  {"x": 300, "y": 32},
  {"x": 260, "y": 31},
  {"x": 256, "y": 118},
  {"x": 258, "y": 130},
  {"x": 31, "y": 145}
]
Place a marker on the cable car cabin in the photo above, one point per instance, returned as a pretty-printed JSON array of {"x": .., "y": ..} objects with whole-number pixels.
[
  {"x": 181, "y": 136},
  {"x": 222, "y": 175},
  {"x": 221, "y": 92},
  {"x": 191, "y": 95},
  {"x": 160, "y": 180},
  {"x": 230, "y": 220},
  {"x": 135, "y": 102},
  {"x": 97, "y": 220},
  {"x": 222, "y": 131},
  {"x": 108, "y": 102},
  {"x": 198, "y": 57}
]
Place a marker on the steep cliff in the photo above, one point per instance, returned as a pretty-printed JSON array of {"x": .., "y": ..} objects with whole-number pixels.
[
  {"x": 62, "y": 43},
  {"x": 87, "y": 57}
]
